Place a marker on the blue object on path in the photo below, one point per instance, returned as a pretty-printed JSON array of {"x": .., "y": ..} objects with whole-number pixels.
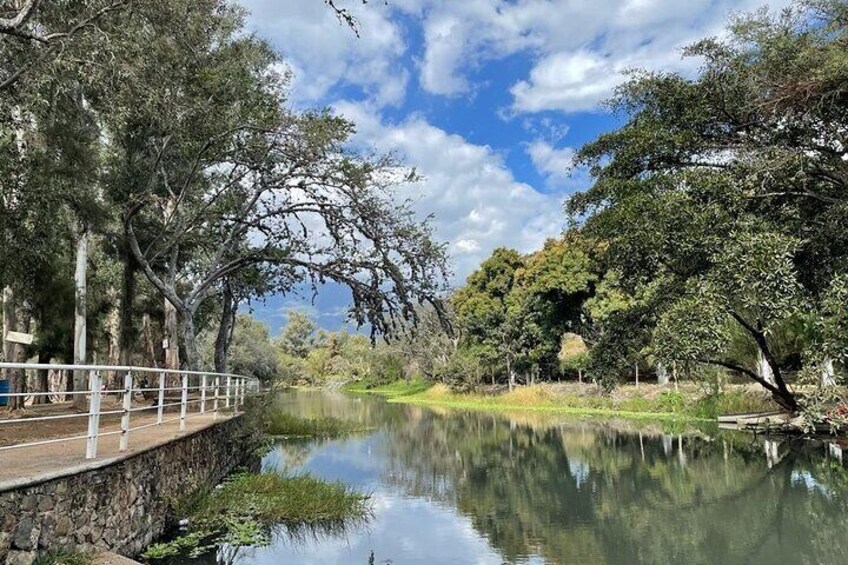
[{"x": 4, "y": 389}]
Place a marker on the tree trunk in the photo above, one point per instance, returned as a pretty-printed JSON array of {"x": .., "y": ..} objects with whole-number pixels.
[
  {"x": 189, "y": 340},
  {"x": 42, "y": 384},
  {"x": 674, "y": 374},
  {"x": 80, "y": 318},
  {"x": 172, "y": 348},
  {"x": 768, "y": 369},
  {"x": 764, "y": 369},
  {"x": 127, "y": 336},
  {"x": 662, "y": 374},
  {"x": 580, "y": 376},
  {"x": 828, "y": 374},
  {"x": 113, "y": 324},
  {"x": 225, "y": 330},
  {"x": 148, "y": 356},
  {"x": 637, "y": 375},
  {"x": 12, "y": 351}
]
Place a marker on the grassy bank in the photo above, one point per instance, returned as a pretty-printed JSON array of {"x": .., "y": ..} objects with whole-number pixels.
[
  {"x": 690, "y": 402},
  {"x": 246, "y": 507},
  {"x": 282, "y": 424}
]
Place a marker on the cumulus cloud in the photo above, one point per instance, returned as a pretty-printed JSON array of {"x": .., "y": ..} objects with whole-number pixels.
[
  {"x": 322, "y": 53},
  {"x": 577, "y": 49},
  {"x": 477, "y": 202},
  {"x": 553, "y": 163}
]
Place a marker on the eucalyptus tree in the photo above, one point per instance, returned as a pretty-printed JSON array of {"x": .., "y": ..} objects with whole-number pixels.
[
  {"x": 733, "y": 181},
  {"x": 215, "y": 176},
  {"x": 50, "y": 150},
  {"x": 34, "y": 34}
]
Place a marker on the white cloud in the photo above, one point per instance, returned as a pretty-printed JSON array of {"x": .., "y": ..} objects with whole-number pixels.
[
  {"x": 477, "y": 202},
  {"x": 578, "y": 49},
  {"x": 630, "y": 34},
  {"x": 555, "y": 164},
  {"x": 323, "y": 53}
]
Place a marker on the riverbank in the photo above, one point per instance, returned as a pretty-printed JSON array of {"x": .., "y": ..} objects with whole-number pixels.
[{"x": 647, "y": 401}]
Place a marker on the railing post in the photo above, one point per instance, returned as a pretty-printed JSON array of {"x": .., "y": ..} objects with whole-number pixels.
[
  {"x": 203, "y": 394},
  {"x": 93, "y": 414},
  {"x": 125, "y": 418},
  {"x": 161, "y": 405},
  {"x": 184, "y": 402},
  {"x": 217, "y": 385},
  {"x": 227, "y": 393}
]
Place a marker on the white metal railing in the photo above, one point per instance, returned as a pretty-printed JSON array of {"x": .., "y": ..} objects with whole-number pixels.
[{"x": 226, "y": 391}]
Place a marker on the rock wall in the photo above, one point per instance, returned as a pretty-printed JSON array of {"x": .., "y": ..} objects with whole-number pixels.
[{"x": 122, "y": 507}]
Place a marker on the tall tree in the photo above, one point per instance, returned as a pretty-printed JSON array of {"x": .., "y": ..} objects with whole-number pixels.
[{"x": 710, "y": 178}]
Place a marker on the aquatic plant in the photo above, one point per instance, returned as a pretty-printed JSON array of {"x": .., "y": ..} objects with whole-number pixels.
[
  {"x": 287, "y": 425},
  {"x": 248, "y": 507}
]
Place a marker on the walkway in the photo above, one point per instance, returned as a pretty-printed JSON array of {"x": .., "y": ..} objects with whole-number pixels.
[{"x": 29, "y": 465}]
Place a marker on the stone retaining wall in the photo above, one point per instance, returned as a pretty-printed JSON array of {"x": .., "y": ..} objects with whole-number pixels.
[{"x": 122, "y": 507}]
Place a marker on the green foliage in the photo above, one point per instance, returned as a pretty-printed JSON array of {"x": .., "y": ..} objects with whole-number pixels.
[
  {"x": 833, "y": 323},
  {"x": 299, "y": 336},
  {"x": 250, "y": 353},
  {"x": 246, "y": 506},
  {"x": 284, "y": 424},
  {"x": 720, "y": 188},
  {"x": 395, "y": 389},
  {"x": 693, "y": 329}
]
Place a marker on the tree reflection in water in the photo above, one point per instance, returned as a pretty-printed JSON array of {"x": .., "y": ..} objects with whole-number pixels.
[{"x": 571, "y": 491}]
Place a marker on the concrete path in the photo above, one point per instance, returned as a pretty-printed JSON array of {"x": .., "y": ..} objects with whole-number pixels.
[{"x": 28, "y": 465}]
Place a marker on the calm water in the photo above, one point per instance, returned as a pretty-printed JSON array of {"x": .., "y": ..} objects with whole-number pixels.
[{"x": 477, "y": 488}]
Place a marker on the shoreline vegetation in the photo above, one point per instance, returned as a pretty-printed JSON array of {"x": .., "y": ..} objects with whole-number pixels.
[
  {"x": 647, "y": 401},
  {"x": 287, "y": 426},
  {"x": 249, "y": 508}
]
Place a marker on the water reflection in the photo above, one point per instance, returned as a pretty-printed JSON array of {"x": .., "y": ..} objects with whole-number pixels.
[{"x": 470, "y": 487}]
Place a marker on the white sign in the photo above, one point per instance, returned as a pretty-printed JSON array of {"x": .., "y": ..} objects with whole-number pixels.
[{"x": 18, "y": 337}]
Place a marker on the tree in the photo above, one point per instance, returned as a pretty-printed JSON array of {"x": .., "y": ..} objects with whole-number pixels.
[
  {"x": 251, "y": 352},
  {"x": 299, "y": 336},
  {"x": 259, "y": 187},
  {"x": 36, "y": 34},
  {"x": 548, "y": 299},
  {"x": 481, "y": 307},
  {"x": 749, "y": 148}
]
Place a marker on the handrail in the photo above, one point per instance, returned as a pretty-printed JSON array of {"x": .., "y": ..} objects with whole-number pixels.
[{"x": 229, "y": 390}]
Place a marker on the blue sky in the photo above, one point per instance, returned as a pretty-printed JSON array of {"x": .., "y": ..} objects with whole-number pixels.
[{"x": 488, "y": 99}]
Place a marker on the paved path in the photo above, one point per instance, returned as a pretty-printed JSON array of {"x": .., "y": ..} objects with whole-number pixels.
[{"x": 27, "y": 465}]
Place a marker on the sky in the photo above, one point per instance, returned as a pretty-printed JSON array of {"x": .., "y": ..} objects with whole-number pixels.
[{"x": 487, "y": 99}]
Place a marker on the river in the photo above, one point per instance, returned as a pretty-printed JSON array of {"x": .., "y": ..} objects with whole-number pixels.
[{"x": 481, "y": 488}]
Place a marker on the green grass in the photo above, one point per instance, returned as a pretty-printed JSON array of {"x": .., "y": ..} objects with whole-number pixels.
[
  {"x": 246, "y": 507},
  {"x": 287, "y": 425},
  {"x": 392, "y": 390},
  {"x": 475, "y": 402},
  {"x": 667, "y": 406}
]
